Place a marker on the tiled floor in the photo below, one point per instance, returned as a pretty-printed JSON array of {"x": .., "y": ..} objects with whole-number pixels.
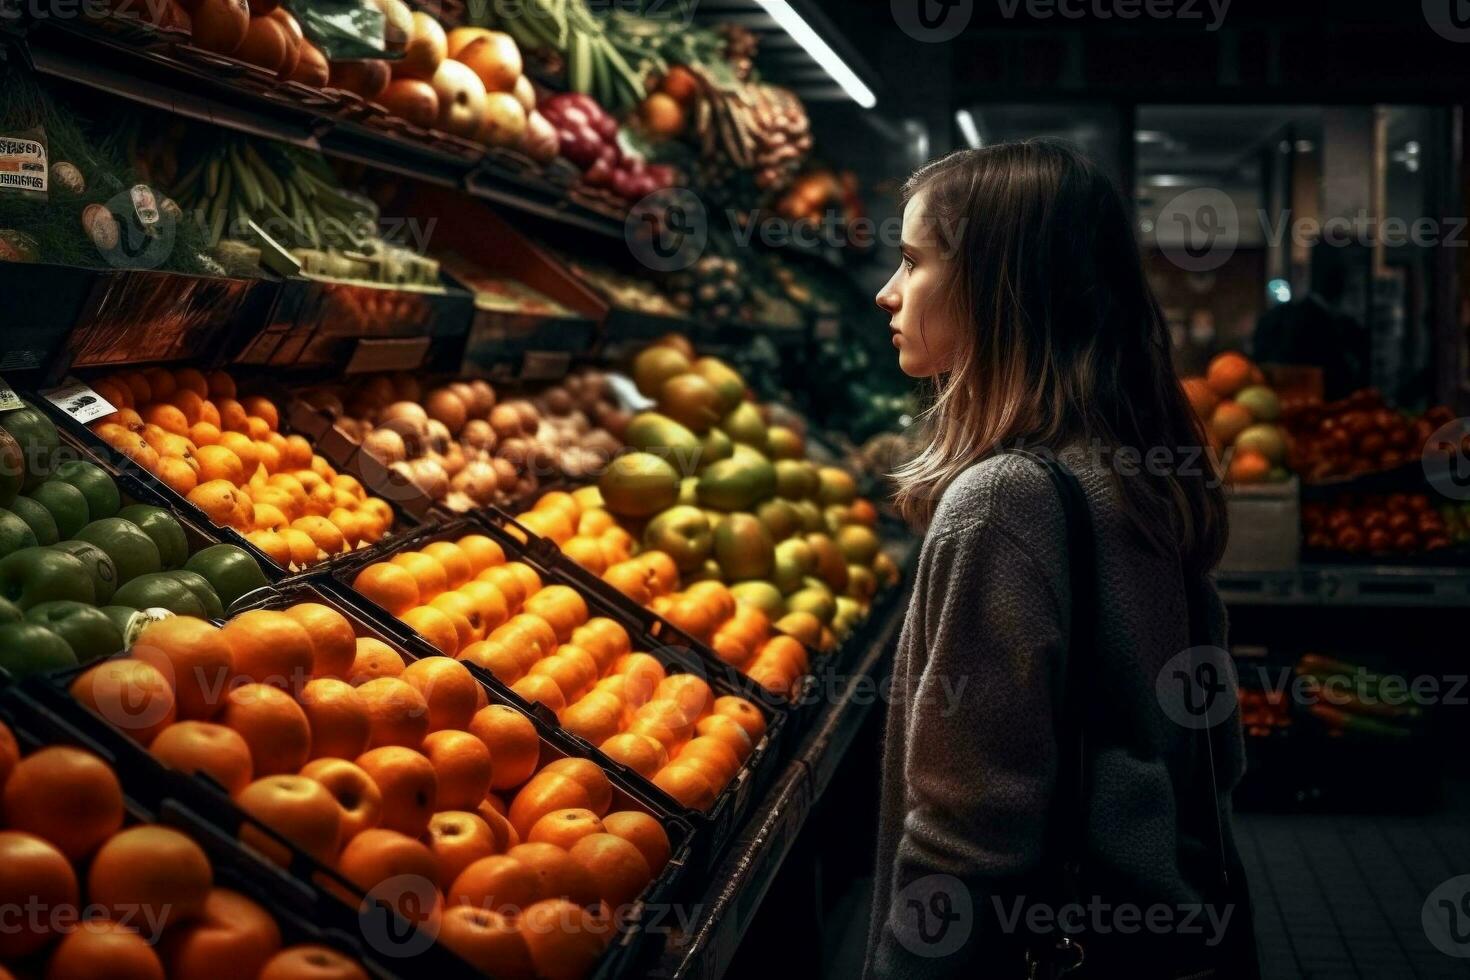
[{"x": 1341, "y": 896}]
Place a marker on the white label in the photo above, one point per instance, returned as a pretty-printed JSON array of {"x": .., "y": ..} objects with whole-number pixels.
[
  {"x": 23, "y": 165},
  {"x": 9, "y": 400},
  {"x": 79, "y": 401}
]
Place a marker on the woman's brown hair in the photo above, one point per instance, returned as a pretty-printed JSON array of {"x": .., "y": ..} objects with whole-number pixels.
[{"x": 1062, "y": 343}]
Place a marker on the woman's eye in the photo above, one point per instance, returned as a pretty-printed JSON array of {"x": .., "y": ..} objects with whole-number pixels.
[{"x": 908, "y": 263}]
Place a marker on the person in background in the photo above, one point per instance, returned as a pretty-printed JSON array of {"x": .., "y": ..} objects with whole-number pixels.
[
  {"x": 1021, "y": 294},
  {"x": 1315, "y": 331}
]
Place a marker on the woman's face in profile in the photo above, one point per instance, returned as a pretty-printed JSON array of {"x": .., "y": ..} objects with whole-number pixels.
[{"x": 920, "y": 319}]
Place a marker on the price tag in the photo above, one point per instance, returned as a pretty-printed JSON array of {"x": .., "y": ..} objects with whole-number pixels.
[
  {"x": 78, "y": 400},
  {"x": 9, "y": 400}
]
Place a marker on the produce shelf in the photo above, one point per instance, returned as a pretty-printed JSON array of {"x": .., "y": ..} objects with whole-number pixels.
[
  {"x": 741, "y": 882},
  {"x": 203, "y": 89},
  {"x": 1349, "y": 585}
]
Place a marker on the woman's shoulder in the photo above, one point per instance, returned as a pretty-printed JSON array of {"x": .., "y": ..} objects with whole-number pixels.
[{"x": 1006, "y": 493}]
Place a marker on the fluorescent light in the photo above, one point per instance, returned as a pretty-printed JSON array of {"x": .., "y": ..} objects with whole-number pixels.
[
  {"x": 968, "y": 130},
  {"x": 801, "y": 32}
]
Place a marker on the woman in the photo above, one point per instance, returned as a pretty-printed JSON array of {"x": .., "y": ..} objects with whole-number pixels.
[{"x": 1022, "y": 294}]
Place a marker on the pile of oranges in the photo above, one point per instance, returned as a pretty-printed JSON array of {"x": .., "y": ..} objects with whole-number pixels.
[
  {"x": 98, "y": 899},
  {"x": 468, "y": 601},
  {"x": 228, "y": 457},
  {"x": 739, "y": 633},
  {"x": 382, "y": 770}
]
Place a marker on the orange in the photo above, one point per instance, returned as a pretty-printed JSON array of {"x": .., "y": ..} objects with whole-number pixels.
[
  {"x": 272, "y": 724},
  {"x": 457, "y": 569},
  {"x": 300, "y": 809},
  {"x": 270, "y": 647},
  {"x": 642, "y": 675},
  {"x": 373, "y": 659},
  {"x": 408, "y": 784},
  {"x": 586, "y": 552},
  {"x": 509, "y": 584},
  {"x": 531, "y": 635},
  {"x": 333, "y": 642},
  {"x": 195, "y": 656},
  {"x": 663, "y": 569},
  {"x": 348, "y": 526},
  {"x": 594, "y": 718},
  {"x": 449, "y": 689},
  {"x": 629, "y": 579},
  {"x": 715, "y": 596},
  {"x": 185, "y": 379},
  {"x": 595, "y": 522},
  {"x": 322, "y": 531},
  {"x": 244, "y": 517},
  {"x": 481, "y": 551},
  {"x": 558, "y": 874},
  {"x": 561, "y": 607},
  {"x": 428, "y": 574},
  {"x": 488, "y": 941},
  {"x": 669, "y": 713},
  {"x": 492, "y": 811},
  {"x": 177, "y": 474},
  {"x": 497, "y": 656},
  {"x": 152, "y": 872},
  {"x": 564, "y": 939},
  {"x": 264, "y": 408},
  {"x": 311, "y": 962},
  {"x": 727, "y": 730},
  {"x": 1248, "y": 466},
  {"x": 303, "y": 548},
  {"x": 462, "y": 767},
  {"x": 538, "y": 688},
  {"x": 397, "y": 712},
  {"x": 198, "y": 747},
  {"x": 292, "y": 487},
  {"x": 377, "y": 855},
  {"x": 565, "y": 827},
  {"x": 747, "y": 714},
  {"x": 689, "y": 691},
  {"x": 1201, "y": 396},
  {"x": 233, "y": 936},
  {"x": 692, "y": 616},
  {"x": 130, "y": 694},
  {"x": 219, "y": 463},
  {"x": 232, "y": 415},
  {"x": 32, "y": 870},
  {"x": 104, "y": 948},
  {"x": 572, "y": 668},
  {"x": 115, "y": 392},
  {"x": 618, "y": 869},
  {"x": 167, "y": 417},
  {"x": 686, "y": 785},
  {"x": 1228, "y": 373},
  {"x": 297, "y": 453},
  {"x": 546, "y": 792},
  {"x": 359, "y": 801},
  {"x": 489, "y": 602},
  {"x": 63, "y": 795},
  {"x": 643, "y": 832},
  {"x": 604, "y": 638},
  {"x": 590, "y": 775},
  {"x": 527, "y": 576},
  {"x": 338, "y": 718},
  {"x": 658, "y": 731},
  {"x": 190, "y": 403},
  {"x": 498, "y": 883},
  {"x": 436, "y": 626},
  {"x": 220, "y": 385},
  {"x": 245, "y": 450},
  {"x": 274, "y": 545},
  {"x": 511, "y": 737},
  {"x": 464, "y": 613},
  {"x": 9, "y": 753},
  {"x": 559, "y": 500},
  {"x": 713, "y": 756},
  {"x": 643, "y": 754},
  {"x": 458, "y": 839},
  {"x": 1229, "y": 420},
  {"x": 266, "y": 455},
  {"x": 786, "y": 652}
]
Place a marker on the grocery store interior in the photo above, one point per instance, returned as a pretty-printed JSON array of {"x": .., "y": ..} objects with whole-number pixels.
[{"x": 446, "y": 523}]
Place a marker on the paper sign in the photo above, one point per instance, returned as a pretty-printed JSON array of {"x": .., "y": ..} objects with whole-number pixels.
[
  {"x": 9, "y": 400},
  {"x": 78, "y": 400}
]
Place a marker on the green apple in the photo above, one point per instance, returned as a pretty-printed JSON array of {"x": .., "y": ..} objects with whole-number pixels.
[
  {"x": 159, "y": 590},
  {"x": 815, "y": 600},
  {"x": 132, "y": 551},
  {"x": 15, "y": 534},
  {"x": 103, "y": 500},
  {"x": 810, "y": 515},
  {"x": 167, "y": 533},
  {"x": 30, "y": 648},
  {"x": 89, "y": 631},
  {"x": 67, "y": 505},
  {"x": 37, "y": 518},
  {"x": 31, "y": 576},
  {"x": 779, "y": 517},
  {"x": 38, "y": 440},
  {"x": 99, "y": 565},
  {"x": 12, "y": 468},
  {"x": 684, "y": 533},
  {"x": 762, "y": 595},
  {"x": 743, "y": 547},
  {"x": 794, "y": 561},
  {"x": 129, "y": 622},
  {"x": 229, "y": 569},
  {"x": 708, "y": 571},
  {"x": 203, "y": 591},
  {"x": 9, "y": 613}
]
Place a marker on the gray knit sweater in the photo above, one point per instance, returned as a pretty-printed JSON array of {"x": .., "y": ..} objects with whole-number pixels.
[{"x": 970, "y": 755}]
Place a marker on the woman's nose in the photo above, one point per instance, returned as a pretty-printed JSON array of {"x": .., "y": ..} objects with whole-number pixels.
[{"x": 887, "y": 299}]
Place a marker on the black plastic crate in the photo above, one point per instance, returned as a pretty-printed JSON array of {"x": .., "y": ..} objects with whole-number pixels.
[{"x": 718, "y": 825}]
